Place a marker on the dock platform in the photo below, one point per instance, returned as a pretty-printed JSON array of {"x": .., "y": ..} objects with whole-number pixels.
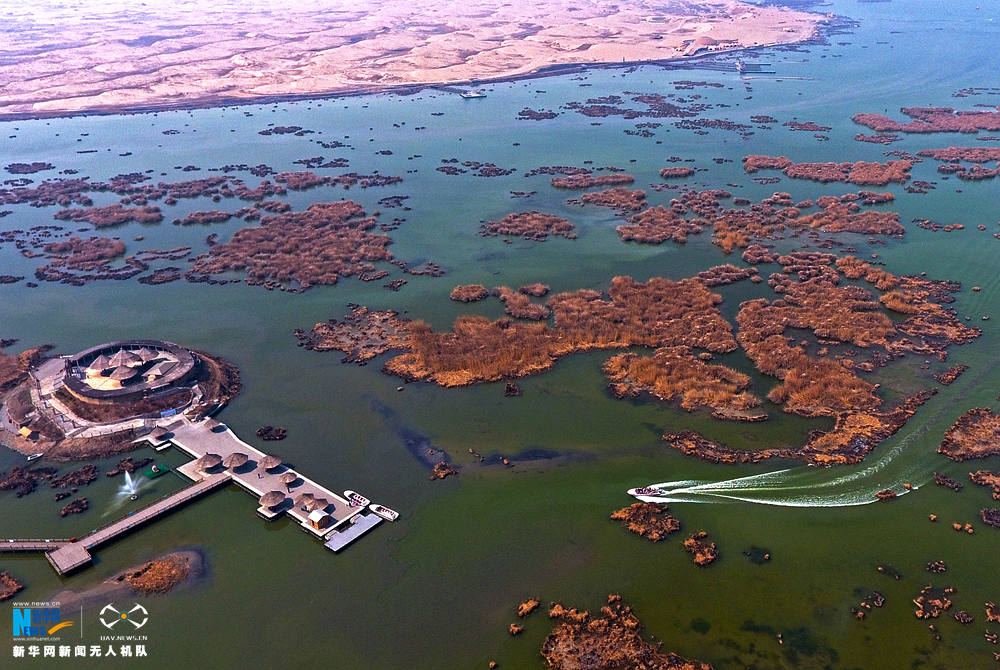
[
  {"x": 345, "y": 524},
  {"x": 338, "y": 539},
  {"x": 210, "y": 436}
]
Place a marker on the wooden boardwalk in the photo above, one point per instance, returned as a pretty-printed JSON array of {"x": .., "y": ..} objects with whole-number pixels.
[
  {"x": 66, "y": 556},
  {"x": 31, "y": 545}
]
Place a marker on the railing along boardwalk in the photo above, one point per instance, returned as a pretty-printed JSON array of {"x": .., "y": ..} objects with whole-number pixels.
[{"x": 31, "y": 545}]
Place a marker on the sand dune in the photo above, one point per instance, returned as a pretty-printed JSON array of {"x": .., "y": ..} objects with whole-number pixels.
[{"x": 88, "y": 56}]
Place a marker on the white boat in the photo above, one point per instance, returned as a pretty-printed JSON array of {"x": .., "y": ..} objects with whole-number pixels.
[
  {"x": 646, "y": 491},
  {"x": 35, "y": 457},
  {"x": 356, "y": 499},
  {"x": 384, "y": 512},
  {"x": 472, "y": 94}
]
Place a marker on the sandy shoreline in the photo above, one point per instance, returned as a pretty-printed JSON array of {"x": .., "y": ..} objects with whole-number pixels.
[
  {"x": 215, "y": 101},
  {"x": 67, "y": 62}
]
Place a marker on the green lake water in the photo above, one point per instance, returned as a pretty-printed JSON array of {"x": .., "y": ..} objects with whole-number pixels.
[{"x": 438, "y": 588}]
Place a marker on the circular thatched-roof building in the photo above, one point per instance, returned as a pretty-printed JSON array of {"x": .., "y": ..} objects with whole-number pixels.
[
  {"x": 125, "y": 357},
  {"x": 147, "y": 354},
  {"x": 128, "y": 370},
  {"x": 122, "y": 373}
]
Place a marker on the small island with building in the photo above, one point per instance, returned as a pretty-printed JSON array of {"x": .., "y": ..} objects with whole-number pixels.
[{"x": 99, "y": 401}]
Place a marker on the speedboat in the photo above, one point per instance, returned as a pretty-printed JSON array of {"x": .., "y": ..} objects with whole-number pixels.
[
  {"x": 35, "y": 457},
  {"x": 646, "y": 491},
  {"x": 384, "y": 512},
  {"x": 472, "y": 94},
  {"x": 356, "y": 499}
]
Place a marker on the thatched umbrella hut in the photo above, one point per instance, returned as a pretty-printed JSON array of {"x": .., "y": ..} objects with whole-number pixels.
[
  {"x": 304, "y": 500},
  {"x": 235, "y": 460},
  {"x": 287, "y": 478},
  {"x": 268, "y": 462},
  {"x": 271, "y": 498},
  {"x": 209, "y": 461},
  {"x": 317, "y": 503},
  {"x": 147, "y": 354}
]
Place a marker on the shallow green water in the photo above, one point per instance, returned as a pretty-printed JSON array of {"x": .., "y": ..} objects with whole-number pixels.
[{"x": 437, "y": 589}]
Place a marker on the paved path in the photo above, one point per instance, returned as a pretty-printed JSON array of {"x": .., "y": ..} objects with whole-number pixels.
[{"x": 72, "y": 555}]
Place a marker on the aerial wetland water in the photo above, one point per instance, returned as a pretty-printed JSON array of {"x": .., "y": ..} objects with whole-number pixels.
[{"x": 540, "y": 473}]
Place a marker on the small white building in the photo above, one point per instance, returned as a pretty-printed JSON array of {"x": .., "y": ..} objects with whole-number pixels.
[{"x": 319, "y": 519}]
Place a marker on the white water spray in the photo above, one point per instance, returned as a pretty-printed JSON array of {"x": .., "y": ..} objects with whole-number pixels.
[
  {"x": 131, "y": 487},
  {"x": 802, "y": 486}
]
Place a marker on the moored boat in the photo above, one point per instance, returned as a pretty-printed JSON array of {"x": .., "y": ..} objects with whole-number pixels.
[
  {"x": 35, "y": 457},
  {"x": 156, "y": 471},
  {"x": 384, "y": 512},
  {"x": 356, "y": 499},
  {"x": 472, "y": 94}
]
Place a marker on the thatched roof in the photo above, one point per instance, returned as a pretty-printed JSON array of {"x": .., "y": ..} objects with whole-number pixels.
[
  {"x": 122, "y": 372},
  {"x": 209, "y": 461},
  {"x": 147, "y": 354},
  {"x": 123, "y": 357},
  {"x": 235, "y": 460},
  {"x": 271, "y": 498},
  {"x": 304, "y": 500},
  {"x": 287, "y": 477},
  {"x": 102, "y": 362},
  {"x": 268, "y": 462},
  {"x": 316, "y": 503},
  {"x": 160, "y": 369}
]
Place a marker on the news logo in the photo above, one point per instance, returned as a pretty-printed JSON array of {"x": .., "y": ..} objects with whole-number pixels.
[{"x": 37, "y": 621}]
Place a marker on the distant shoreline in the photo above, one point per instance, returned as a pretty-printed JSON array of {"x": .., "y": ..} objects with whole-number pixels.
[{"x": 214, "y": 101}]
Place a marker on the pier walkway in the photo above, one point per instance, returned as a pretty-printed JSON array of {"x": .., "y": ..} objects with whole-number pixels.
[
  {"x": 345, "y": 522},
  {"x": 31, "y": 545},
  {"x": 67, "y": 555}
]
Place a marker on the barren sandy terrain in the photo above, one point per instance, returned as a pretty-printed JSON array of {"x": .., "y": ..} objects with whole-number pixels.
[{"x": 82, "y": 55}]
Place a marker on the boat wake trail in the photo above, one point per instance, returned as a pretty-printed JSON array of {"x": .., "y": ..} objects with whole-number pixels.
[
  {"x": 804, "y": 486},
  {"x": 791, "y": 487},
  {"x": 896, "y": 464}
]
